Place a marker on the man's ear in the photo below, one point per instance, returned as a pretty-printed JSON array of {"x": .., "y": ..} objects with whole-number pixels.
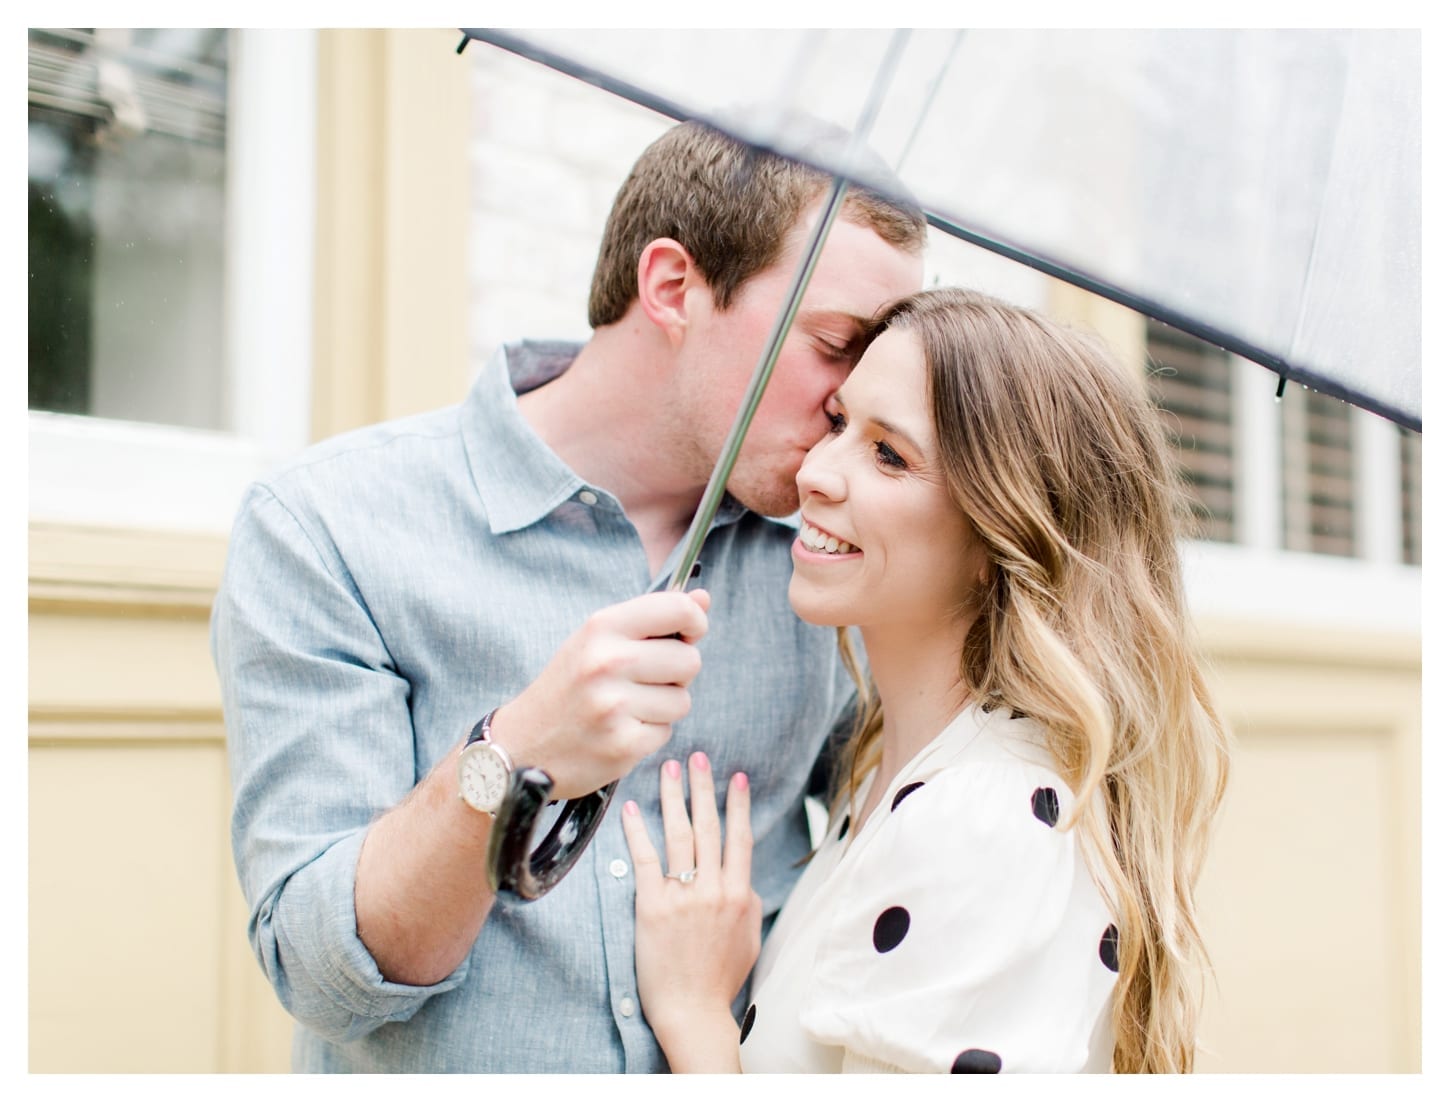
[{"x": 666, "y": 271}]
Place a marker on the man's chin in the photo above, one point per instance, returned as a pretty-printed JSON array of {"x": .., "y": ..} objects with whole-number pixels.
[{"x": 768, "y": 501}]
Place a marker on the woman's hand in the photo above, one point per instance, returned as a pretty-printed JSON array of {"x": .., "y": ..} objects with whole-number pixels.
[{"x": 696, "y": 939}]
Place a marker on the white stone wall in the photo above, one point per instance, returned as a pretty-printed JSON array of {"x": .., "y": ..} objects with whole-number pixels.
[{"x": 548, "y": 154}]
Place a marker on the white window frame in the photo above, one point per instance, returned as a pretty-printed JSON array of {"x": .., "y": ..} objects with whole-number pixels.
[
  {"x": 1256, "y": 579},
  {"x": 96, "y": 471}
]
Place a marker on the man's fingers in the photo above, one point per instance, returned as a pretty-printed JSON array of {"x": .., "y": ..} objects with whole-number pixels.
[
  {"x": 658, "y": 614},
  {"x": 738, "y": 838},
  {"x": 659, "y": 662},
  {"x": 661, "y": 704},
  {"x": 701, "y": 598}
]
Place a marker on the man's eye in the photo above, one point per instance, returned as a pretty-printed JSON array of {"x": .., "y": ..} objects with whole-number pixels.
[{"x": 837, "y": 420}]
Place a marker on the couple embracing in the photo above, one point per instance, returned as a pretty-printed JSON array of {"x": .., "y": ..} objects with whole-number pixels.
[{"x": 1020, "y": 761}]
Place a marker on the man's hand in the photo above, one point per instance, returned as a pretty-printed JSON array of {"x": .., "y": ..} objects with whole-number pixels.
[
  {"x": 603, "y": 702},
  {"x": 608, "y": 696}
]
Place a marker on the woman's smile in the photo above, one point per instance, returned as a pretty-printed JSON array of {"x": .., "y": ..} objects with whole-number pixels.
[
  {"x": 874, "y": 500},
  {"x": 813, "y": 539}
]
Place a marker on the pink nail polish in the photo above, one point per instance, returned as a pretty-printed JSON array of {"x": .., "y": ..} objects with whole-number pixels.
[
  {"x": 631, "y": 808},
  {"x": 672, "y": 767},
  {"x": 699, "y": 760},
  {"x": 740, "y": 781}
]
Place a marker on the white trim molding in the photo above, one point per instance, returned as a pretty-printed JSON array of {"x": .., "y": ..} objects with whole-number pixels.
[{"x": 1291, "y": 587}]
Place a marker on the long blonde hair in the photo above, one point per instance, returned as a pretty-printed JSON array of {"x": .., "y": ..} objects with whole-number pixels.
[{"x": 1058, "y": 460}]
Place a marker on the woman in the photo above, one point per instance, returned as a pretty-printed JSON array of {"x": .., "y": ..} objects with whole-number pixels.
[{"x": 1006, "y": 883}]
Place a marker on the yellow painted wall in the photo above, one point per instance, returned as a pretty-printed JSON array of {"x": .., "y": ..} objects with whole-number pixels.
[
  {"x": 1310, "y": 899},
  {"x": 137, "y": 925},
  {"x": 138, "y": 957},
  {"x": 1311, "y": 896}
]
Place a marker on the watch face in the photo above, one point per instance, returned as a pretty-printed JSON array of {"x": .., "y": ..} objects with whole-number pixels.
[{"x": 482, "y": 778}]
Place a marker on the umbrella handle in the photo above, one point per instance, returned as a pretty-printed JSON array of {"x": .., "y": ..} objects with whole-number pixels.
[{"x": 513, "y": 870}]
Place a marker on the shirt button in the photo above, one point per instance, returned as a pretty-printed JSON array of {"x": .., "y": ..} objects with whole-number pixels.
[
  {"x": 588, "y": 497},
  {"x": 618, "y": 869},
  {"x": 626, "y": 1006}
]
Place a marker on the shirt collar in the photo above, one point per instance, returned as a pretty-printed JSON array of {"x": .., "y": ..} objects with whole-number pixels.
[{"x": 518, "y": 476}]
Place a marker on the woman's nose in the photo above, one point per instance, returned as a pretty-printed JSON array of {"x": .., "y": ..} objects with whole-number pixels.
[{"x": 819, "y": 473}]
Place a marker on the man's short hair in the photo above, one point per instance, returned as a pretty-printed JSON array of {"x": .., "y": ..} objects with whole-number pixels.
[{"x": 730, "y": 205}]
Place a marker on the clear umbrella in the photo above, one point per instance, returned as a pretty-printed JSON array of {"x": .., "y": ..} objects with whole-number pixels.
[{"x": 1258, "y": 189}]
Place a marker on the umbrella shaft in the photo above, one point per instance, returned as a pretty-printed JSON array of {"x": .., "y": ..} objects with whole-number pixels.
[{"x": 715, "y": 488}]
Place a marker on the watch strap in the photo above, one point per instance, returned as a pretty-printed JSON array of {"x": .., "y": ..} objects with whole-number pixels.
[{"x": 483, "y": 732}]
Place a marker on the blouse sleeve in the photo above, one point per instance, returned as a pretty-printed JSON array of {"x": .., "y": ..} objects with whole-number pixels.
[{"x": 971, "y": 938}]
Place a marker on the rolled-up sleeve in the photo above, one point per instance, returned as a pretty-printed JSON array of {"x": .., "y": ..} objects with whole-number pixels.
[{"x": 319, "y": 743}]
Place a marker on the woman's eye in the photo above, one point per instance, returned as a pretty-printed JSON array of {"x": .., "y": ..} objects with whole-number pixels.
[
  {"x": 887, "y": 456},
  {"x": 837, "y": 420}
]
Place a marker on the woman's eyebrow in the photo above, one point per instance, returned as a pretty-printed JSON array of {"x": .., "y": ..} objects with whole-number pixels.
[
  {"x": 888, "y": 427},
  {"x": 892, "y": 429}
]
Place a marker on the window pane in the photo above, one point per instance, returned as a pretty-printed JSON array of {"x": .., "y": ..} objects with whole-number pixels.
[
  {"x": 1410, "y": 494},
  {"x": 1190, "y": 382},
  {"x": 1318, "y": 473},
  {"x": 127, "y": 147}
]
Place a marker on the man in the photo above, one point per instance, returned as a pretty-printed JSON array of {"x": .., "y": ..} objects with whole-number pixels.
[{"x": 396, "y": 584}]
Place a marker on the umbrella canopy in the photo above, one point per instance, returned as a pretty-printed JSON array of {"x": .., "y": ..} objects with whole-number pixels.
[{"x": 1256, "y": 188}]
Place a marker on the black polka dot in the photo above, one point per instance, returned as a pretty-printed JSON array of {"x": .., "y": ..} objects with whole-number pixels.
[
  {"x": 890, "y": 929},
  {"x": 845, "y": 826},
  {"x": 747, "y": 1024},
  {"x": 1108, "y": 948},
  {"x": 903, "y": 792},
  {"x": 1044, "y": 805},
  {"x": 976, "y": 1061}
]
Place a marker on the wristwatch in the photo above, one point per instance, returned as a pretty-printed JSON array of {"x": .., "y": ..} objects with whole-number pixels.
[{"x": 484, "y": 768}]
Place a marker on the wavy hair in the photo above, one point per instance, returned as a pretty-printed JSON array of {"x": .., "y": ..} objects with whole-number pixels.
[{"x": 1054, "y": 454}]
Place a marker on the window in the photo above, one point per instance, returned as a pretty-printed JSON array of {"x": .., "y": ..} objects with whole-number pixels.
[
  {"x": 1317, "y": 445},
  {"x": 1410, "y": 496},
  {"x": 127, "y": 139},
  {"x": 1190, "y": 382},
  {"x": 172, "y": 179},
  {"x": 1326, "y": 489}
]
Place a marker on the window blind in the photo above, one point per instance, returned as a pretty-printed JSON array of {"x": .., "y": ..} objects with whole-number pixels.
[
  {"x": 1410, "y": 491},
  {"x": 1190, "y": 381},
  {"x": 1318, "y": 451},
  {"x": 170, "y": 81}
]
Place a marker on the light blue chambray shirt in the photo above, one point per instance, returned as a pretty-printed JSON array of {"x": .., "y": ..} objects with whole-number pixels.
[{"x": 381, "y": 593}]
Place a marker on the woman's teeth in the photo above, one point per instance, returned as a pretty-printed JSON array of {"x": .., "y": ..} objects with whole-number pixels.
[{"x": 817, "y": 540}]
